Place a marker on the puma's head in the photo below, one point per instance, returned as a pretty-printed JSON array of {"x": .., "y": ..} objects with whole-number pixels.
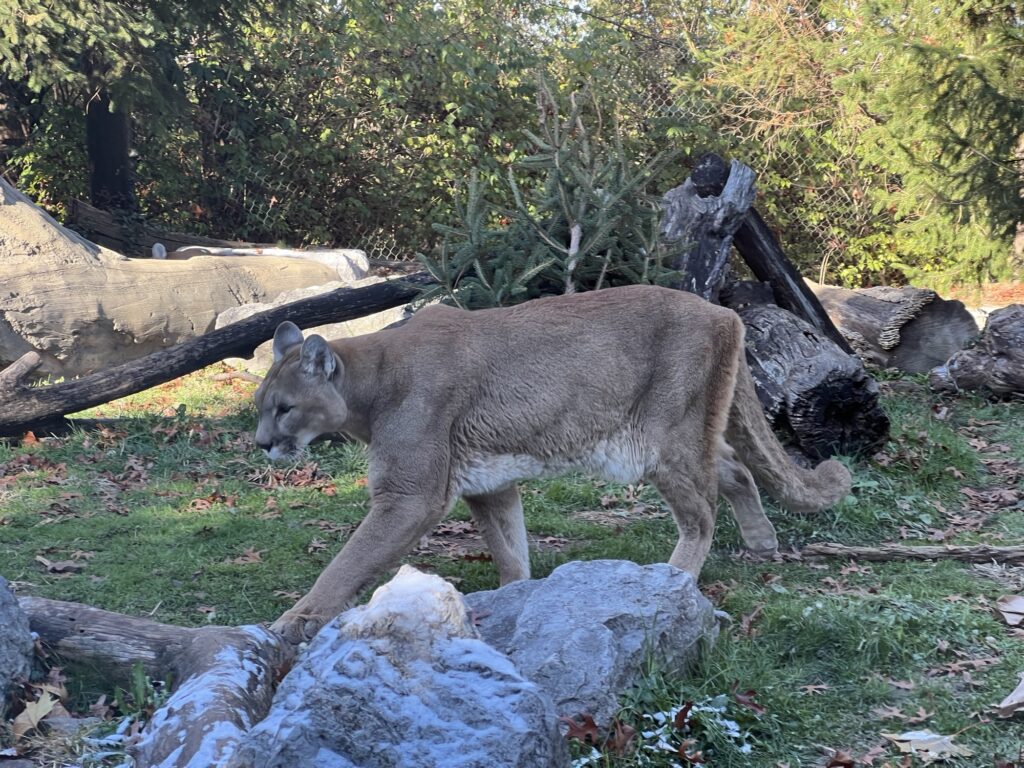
[{"x": 300, "y": 398}]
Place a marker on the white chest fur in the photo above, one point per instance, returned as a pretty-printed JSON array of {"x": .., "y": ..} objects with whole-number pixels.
[{"x": 620, "y": 459}]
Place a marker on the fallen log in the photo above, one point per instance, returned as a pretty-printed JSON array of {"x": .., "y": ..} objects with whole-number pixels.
[
  {"x": 978, "y": 553},
  {"x": 35, "y": 407},
  {"x": 223, "y": 677},
  {"x": 811, "y": 388},
  {"x": 86, "y": 308},
  {"x": 912, "y": 329},
  {"x": 995, "y": 365}
]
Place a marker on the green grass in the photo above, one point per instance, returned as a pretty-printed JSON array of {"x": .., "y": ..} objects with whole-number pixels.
[{"x": 173, "y": 514}]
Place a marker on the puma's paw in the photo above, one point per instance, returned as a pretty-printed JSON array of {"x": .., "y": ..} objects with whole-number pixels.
[
  {"x": 298, "y": 628},
  {"x": 763, "y": 550}
]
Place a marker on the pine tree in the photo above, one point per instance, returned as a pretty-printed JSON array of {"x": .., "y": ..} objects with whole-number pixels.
[{"x": 581, "y": 219}]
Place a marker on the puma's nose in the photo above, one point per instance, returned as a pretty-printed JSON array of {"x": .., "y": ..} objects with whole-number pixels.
[{"x": 265, "y": 446}]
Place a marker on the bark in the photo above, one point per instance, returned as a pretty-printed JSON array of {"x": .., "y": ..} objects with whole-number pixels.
[
  {"x": 224, "y": 676},
  {"x": 907, "y": 328},
  {"x": 701, "y": 215},
  {"x": 811, "y": 388},
  {"x": 995, "y": 365},
  {"x": 85, "y": 308},
  {"x": 979, "y": 553},
  {"x": 33, "y": 407}
]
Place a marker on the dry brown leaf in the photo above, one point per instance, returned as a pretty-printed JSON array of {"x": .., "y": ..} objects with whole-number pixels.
[
  {"x": 250, "y": 555},
  {"x": 927, "y": 746},
  {"x": 1014, "y": 702},
  {"x": 32, "y": 715},
  {"x": 1011, "y": 608},
  {"x": 60, "y": 566}
]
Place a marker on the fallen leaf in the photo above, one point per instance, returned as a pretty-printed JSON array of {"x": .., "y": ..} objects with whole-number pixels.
[
  {"x": 1014, "y": 702},
  {"x": 250, "y": 555},
  {"x": 888, "y": 713},
  {"x": 746, "y": 699},
  {"x": 927, "y": 746},
  {"x": 868, "y": 758},
  {"x": 32, "y": 715},
  {"x": 315, "y": 545},
  {"x": 60, "y": 566},
  {"x": 620, "y": 739},
  {"x": 1011, "y": 608},
  {"x": 585, "y": 731},
  {"x": 840, "y": 760},
  {"x": 813, "y": 689}
]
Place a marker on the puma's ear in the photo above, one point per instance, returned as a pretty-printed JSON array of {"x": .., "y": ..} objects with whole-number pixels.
[
  {"x": 316, "y": 358},
  {"x": 286, "y": 337}
]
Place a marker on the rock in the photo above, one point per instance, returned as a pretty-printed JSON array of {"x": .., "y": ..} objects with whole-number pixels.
[
  {"x": 584, "y": 633},
  {"x": 404, "y": 682},
  {"x": 15, "y": 643},
  {"x": 263, "y": 357}
]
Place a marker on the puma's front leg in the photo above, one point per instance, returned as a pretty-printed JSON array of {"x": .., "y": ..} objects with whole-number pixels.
[{"x": 396, "y": 522}]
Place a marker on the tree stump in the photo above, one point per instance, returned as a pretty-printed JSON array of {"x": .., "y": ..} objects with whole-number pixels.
[
  {"x": 702, "y": 214},
  {"x": 907, "y": 328},
  {"x": 995, "y": 365},
  {"x": 811, "y": 388}
]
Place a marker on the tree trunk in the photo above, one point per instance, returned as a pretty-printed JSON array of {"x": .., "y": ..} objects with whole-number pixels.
[
  {"x": 995, "y": 366},
  {"x": 108, "y": 139},
  {"x": 811, "y": 388},
  {"x": 224, "y": 677},
  {"x": 85, "y": 308},
  {"x": 907, "y": 328},
  {"x": 701, "y": 216},
  {"x": 32, "y": 407}
]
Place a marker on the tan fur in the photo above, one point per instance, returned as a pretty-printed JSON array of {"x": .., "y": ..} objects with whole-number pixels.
[{"x": 629, "y": 383}]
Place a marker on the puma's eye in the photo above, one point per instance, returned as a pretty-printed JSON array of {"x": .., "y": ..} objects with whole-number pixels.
[{"x": 283, "y": 409}]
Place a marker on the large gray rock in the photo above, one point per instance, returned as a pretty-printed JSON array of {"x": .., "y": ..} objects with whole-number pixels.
[
  {"x": 15, "y": 643},
  {"x": 583, "y": 634},
  {"x": 263, "y": 356},
  {"x": 404, "y": 682}
]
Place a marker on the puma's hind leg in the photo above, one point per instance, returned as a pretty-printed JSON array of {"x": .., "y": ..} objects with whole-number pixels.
[
  {"x": 693, "y": 509},
  {"x": 737, "y": 485},
  {"x": 499, "y": 517}
]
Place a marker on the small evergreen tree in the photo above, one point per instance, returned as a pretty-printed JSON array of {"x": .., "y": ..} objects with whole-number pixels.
[{"x": 582, "y": 219}]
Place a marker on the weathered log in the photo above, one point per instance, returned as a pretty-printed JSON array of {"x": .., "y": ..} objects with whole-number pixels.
[
  {"x": 978, "y": 553},
  {"x": 223, "y": 676},
  {"x": 702, "y": 214},
  {"x": 30, "y": 407},
  {"x": 810, "y": 387},
  {"x": 907, "y": 328},
  {"x": 86, "y": 308},
  {"x": 995, "y": 365}
]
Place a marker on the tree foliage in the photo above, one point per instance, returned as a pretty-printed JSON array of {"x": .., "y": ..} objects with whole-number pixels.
[{"x": 887, "y": 134}]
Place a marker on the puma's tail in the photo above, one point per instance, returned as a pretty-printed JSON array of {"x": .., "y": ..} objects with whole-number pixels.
[{"x": 794, "y": 487}]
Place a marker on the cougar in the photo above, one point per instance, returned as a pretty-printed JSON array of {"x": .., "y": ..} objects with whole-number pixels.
[{"x": 632, "y": 383}]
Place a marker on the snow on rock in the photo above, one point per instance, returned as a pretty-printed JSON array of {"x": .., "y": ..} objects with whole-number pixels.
[
  {"x": 584, "y": 633},
  {"x": 404, "y": 682}
]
